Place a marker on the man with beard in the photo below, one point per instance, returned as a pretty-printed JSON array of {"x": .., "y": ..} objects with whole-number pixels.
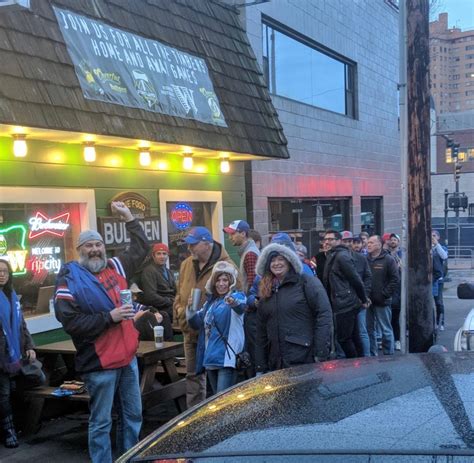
[
  {"x": 194, "y": 273},
  {"x": 87, "y": 303}
]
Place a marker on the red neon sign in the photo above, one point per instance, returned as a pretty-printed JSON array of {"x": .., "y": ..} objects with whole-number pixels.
[{"x": 41, "y": 224}]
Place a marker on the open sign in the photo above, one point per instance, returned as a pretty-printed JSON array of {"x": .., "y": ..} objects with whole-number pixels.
[{"x": 181, "y": 216}]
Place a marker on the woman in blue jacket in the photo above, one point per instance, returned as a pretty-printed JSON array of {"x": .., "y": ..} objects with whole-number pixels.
[{"x": 221, "y": 327}]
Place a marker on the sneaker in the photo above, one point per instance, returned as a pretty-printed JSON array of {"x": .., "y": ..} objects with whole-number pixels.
[
  {"x": 441, "y": 327},
  {"x": 398, "y": 345}
]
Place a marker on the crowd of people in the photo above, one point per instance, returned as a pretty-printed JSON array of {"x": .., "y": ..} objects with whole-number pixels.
[{"x": 279, "y": 306}]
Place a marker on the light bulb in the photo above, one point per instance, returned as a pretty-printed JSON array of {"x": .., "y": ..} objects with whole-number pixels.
[
  {"x": 20, "y": 148},
  {"x": 145, "y": 157},
  {"x": 225, "y": 165},
  {"x": 89, "y": 152},
  {"x": 188, "y": 161}
]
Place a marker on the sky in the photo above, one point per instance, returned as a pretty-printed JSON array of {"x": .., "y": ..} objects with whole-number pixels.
[{"x": 460, "y": 13}]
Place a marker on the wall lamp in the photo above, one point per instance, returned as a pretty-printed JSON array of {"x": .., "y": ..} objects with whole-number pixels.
[
  {"x": 188, "y": 161},
  {"x": 20, "y": 148},
  {"x": 89, "y": 151}
]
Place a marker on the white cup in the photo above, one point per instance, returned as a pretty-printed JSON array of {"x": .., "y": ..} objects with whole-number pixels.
[{"x": 158, "y": 332}]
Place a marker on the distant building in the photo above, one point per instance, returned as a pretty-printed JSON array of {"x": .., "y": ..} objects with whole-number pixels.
[{"x": 451, "y": 67}]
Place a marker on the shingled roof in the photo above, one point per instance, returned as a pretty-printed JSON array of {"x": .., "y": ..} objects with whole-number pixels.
[{"x": 39, "y": 87}]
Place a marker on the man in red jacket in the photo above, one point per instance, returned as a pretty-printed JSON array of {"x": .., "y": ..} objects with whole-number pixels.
[{"x": 87, "y": 303}]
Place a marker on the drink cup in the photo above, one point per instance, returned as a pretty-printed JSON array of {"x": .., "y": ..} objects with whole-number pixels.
[
  {"x": 195, "y": 299},
  {"x": 158, "y": 332}
]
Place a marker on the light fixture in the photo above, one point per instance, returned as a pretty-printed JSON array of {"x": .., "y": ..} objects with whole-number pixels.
[
  {"x": 145, "y": 157},
  {"x": 89, "y": 151},
  {"x": 225, "y": 165},
  {"x": 20, "y": 148},
  {"x": 188, "y": 161}
]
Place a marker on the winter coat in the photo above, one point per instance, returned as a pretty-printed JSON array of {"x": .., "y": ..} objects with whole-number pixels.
[
  {"x": 343, "y": 283},
  {"x": 215, "y": 321},
  {"x": 158, "y": 291},
  {"x": 26, "y": 342},
  {"x": 363, "y": 269},
  {"x": 385, "y": 278},
  {"x": 294, "y": 324},
  {"x": 191, "y": 277}
]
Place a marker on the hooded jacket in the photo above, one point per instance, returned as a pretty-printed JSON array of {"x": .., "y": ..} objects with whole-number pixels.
[
  {"x": 385, "y": 278},
  {"x": 191, "y": 277},
  {"x": 342, "y": 281},
  {"x": 220, "y": 325},
  {"x": 294, "y": 323}
]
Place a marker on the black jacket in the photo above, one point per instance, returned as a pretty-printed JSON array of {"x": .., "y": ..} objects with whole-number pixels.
[
  {"x": 342, "y": 282},
  {"x": 294, "y": 324},
  {"x": 385, "y": 278},
  {"x": 363, "y": 269},
  {"x": 158, "y": 291}
]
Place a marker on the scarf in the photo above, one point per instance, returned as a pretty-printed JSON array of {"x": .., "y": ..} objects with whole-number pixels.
[
  {"x": 10, "y": 319},
  {"x": 88, "y": 292}
]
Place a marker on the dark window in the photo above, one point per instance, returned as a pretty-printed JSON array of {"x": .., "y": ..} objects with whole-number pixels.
[
  {"x": 371, "y": 215},
  {"x": 306, "y": 219},
  {"x": 295, "y": 67}
]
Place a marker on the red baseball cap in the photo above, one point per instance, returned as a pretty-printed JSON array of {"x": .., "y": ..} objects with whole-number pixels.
[
  {"x": 385, "y": 237},
  {"x": 161, "y": 247}
]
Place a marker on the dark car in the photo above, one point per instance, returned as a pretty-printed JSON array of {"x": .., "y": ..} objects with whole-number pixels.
[{"x": 412, "y": 408}]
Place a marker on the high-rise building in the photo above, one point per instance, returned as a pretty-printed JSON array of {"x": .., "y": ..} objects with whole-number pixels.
[{"x": 451, "y": 67}]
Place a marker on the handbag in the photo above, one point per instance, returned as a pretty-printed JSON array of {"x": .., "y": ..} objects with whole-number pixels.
[
  {"x": 242, "y": 359},
  {"x": 33, "y": 373}
]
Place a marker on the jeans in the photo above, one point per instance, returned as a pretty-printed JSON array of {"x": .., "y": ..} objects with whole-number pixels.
[
  {"x": 382, "y": 315},
  {"x": 221, "y": 378},
  {"x": 195, "y": 384},
  {"x": 119, "y": 387},
  {"x": 363, "y": 342},
  {"x": 345, "y": 323},
  {"x": 439, "y": 304}
]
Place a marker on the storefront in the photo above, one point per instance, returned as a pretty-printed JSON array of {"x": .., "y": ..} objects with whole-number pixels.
[{"x": 83, "y": 125}]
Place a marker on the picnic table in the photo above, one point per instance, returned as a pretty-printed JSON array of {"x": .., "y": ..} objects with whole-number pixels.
[{"x": 149, "y": 359}]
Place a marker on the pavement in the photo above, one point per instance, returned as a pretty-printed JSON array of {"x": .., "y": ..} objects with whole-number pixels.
[{"x": 65, "y": 438}]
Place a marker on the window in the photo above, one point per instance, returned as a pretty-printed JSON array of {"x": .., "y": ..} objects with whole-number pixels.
[
  {"x": 296, "y": 67},
  {"x": 469, "y": 47},
  {"x": 371, "y": 215},
  {"x": 307, "y": 219},
  {"x": 469, "y": 56}
]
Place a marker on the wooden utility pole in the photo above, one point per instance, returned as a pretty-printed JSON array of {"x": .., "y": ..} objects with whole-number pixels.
[{"x": 419, "y": 290}]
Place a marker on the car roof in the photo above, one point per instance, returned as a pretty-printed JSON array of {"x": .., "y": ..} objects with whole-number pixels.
[{"x": 411, "y": 403}]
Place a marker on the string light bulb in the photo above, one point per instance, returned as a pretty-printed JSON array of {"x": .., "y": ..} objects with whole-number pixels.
[
  {"x": 188, "y": 161},
  {"x": 225, "y": 165},
  {"x": 145, "y": 157},
  {"x": 89, "y": 152},
  {"x": 20, "y": 148}
]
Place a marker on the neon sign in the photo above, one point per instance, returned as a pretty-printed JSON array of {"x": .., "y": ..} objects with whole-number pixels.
[
  {"x": 182, "y": 216},
  {"x": 16, "y": 257},
  {"x": 43, "y": 259},
  {"x": 41, "y": 224}
]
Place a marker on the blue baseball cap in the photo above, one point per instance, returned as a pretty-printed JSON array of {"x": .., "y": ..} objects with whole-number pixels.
[
  {"x": 284, "y": 239},
  {"x": 198, "y": 234}
]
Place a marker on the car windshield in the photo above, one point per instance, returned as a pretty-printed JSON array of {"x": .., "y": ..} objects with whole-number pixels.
[{"x": 408, "y": 405}]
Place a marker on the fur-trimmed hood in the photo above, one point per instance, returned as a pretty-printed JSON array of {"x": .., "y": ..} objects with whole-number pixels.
[
  {"x": 219, "y": 268},
  {"x": 284, "y": 251}
]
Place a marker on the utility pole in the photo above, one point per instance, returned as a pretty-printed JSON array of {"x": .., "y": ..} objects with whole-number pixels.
[{"x": 419, "y": 290}]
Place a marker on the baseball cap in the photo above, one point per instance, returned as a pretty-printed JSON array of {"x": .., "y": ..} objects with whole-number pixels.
[
  {"x": 346, "y": 235},
  {"x": 237, "y": 226},
  {"x": 357, "y": 238},
  {"x": 395, "y": 235},
  {"x": 283, "y": 238},
  {"x": 385, "y": 237},
  {"x": 161, "y": 247},
  {"x": 198, "y": 234},
  {"x": 88, "y": 235}
]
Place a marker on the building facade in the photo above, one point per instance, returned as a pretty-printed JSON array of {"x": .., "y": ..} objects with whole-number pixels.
[
  {"x": 158, "y": 104},
  {"x": 451, "y": 67},
  {"x": 332, "y": 76}
]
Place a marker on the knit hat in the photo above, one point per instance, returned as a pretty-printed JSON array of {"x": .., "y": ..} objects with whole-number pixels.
[
  {"x": 218, "y": 269},
  {"x": 160, "y": 247},
  {"x": 301, "y": 248},
  {"x": 88, "y": 235}
]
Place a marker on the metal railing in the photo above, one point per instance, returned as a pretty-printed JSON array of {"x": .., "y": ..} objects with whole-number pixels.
[{"x": 461, "y": 256}]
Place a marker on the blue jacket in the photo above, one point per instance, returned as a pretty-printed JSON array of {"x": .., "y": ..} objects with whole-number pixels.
[{"x": 211, "y": 349}]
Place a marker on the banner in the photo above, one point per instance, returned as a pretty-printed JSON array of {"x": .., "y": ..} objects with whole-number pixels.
[{"x": 118, "y": 67}]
